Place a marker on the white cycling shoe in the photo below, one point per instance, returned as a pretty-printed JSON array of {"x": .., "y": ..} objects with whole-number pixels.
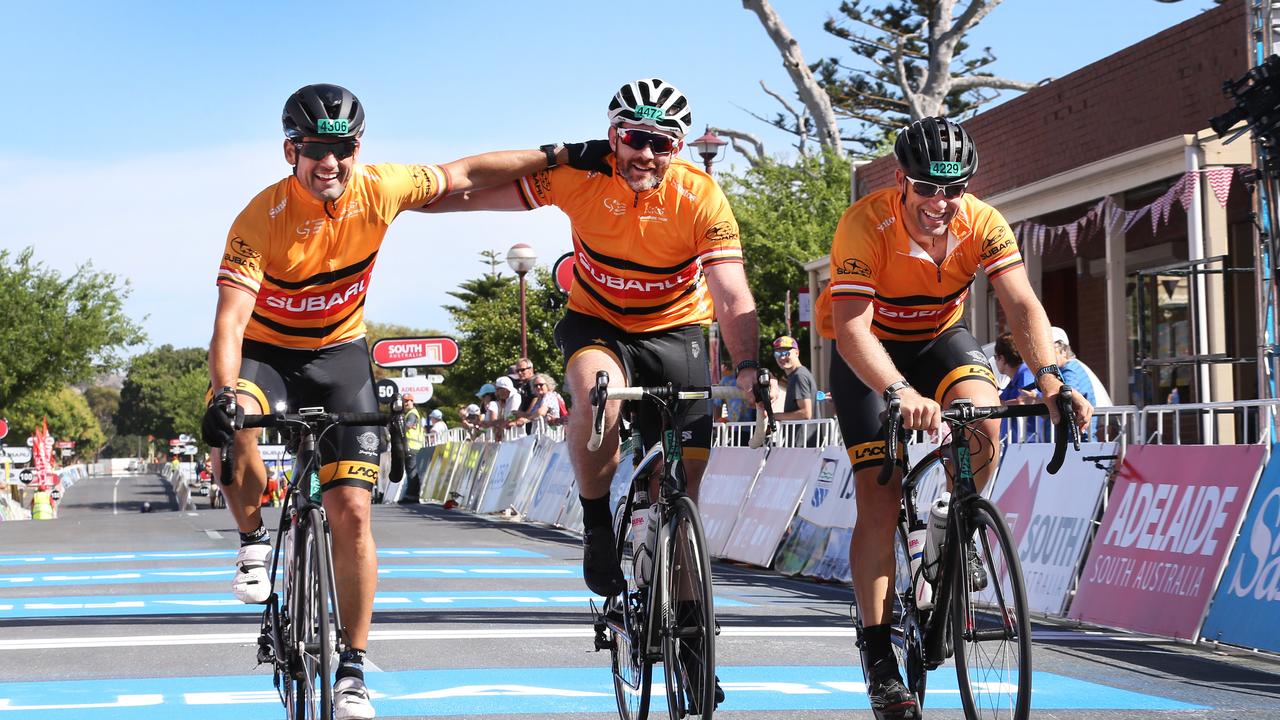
[
  {"x": 252, "y": 584},
  {"x": 351, "y": 700}
]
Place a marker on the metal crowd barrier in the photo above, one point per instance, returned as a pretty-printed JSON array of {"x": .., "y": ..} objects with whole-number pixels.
[
  {"x": 1235, "y": 422},
  {"x": 789, "y": 434}
]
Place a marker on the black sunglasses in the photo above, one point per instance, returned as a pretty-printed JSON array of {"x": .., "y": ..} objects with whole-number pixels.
[
  {"x": 638, "y": 139},
  {"x": 315, "y": 150},
  {"x": 928, "y": 189}
]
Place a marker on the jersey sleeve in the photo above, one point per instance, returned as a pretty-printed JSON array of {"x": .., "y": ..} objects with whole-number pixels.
[
  {"x": 998, "y": 249},
  {"x": 243, "y": 257},
  {"x": 400, "y": 187},
  {"x": 537, "y": 190},
  {"x": 718, "y": 239},
  {"x": 857, "y": 257}
]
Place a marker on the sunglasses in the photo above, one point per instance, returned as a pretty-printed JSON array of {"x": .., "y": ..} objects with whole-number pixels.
[
  {"x": 319, "y": 150},
  {"x": 781, "y": 353},
  {"x": 928, "y": 189},
  {"x": 638, "y": 139},
  {"x": 524, "y": 368}
]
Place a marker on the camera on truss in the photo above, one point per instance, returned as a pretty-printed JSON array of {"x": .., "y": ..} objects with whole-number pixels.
[{"x": 1257, "y": 99}]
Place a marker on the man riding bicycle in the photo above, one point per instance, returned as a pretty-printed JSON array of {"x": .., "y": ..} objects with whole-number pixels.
[
  {"x": 902, "y": 261},
  {"x": 290, "y": 330},
  {"x": 656, "y": 255}
]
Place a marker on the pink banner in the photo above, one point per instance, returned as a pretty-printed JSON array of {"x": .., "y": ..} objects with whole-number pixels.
[{"x": 1169, "y": 525}]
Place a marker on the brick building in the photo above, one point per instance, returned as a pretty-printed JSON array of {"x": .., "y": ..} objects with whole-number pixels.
[{"x": 1127, "y": 129}]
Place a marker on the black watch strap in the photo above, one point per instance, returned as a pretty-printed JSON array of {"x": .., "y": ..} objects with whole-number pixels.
[
  {"x": 1049, "y": 370},
  {"x": 747, "y": 365},
  {"x": 892, "y": 391},
  {"x": 550, "y": 151}
]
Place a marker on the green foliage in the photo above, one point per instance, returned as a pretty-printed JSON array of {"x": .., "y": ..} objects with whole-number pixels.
[
  {"x": 55, "y": 330},
  {"x": 163, "y": 394},
  {"x": 787, "y": 215},
  {"x": 69, "y": 415},
  {"x": 489, "y": 334}
]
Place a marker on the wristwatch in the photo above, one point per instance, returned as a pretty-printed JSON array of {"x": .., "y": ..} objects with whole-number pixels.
[
  {"x": 1050, "y": 370},
  {"x": 550, "y": 151},
  {"x": 891, "y": 392},
  {"x": 747, "y": 365}
]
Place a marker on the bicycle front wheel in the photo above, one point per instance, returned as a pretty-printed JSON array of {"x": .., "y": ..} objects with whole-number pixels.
[
  {"x": 990, "y": 626},
  {"x": 688, "y": 633},
  {"x": 312, "y": 632}
]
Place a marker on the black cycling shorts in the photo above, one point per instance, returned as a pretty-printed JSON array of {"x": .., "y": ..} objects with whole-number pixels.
[
  {"x": 338, "y": 379},
  {"x": 931, "y": 366},
  {"x": 677, "y": 356}
]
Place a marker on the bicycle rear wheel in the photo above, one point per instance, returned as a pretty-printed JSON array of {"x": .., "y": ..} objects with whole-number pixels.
[
  {"x": 907, "y": 634},
  {"x": 990, "y": 626},
  {"x": 312, "y": 632},
  {"x": 688, "y": 634},
  {"x": 625, "y": 618}
]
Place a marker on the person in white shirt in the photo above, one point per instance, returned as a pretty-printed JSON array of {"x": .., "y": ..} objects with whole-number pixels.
[
  {"x": 546, "y": 402},
  {"x": 439, "y": 428},
  {"x": 508, "y": 402}
]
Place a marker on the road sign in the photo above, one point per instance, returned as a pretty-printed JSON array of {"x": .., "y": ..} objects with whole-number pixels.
[
  {"x": 66, "y": 452},
  {"x": 415, "y": 352},
  {"x": 4, "y": 428},
  {"x": 18, "y": 455},
  {"x": 435, "y": 379},
  {"x": 386, "y": 390},
  {"x": 175, "y": 442},
  {"x": 55, "y": 494},
  {"x": 31, "y": 441},
  {"x": 188, "y": 450},
  {"x": 185, "y": 438},
  {"x": 65, "y": 444},
  {"x": 419, "y": 387},
  {"x": 26, "y": 476},
  {"x": 562, "y": 271}
]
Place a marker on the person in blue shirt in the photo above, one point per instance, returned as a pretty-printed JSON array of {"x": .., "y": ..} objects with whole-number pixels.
[
  {"x": 1009, "y": 363},
  {"x": 1075, "y": 374}
]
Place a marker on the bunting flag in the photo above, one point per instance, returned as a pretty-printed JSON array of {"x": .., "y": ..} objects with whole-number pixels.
[{"x": 1105, "y": 214}]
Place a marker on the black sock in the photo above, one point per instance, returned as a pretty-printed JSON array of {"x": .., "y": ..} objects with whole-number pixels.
[
  {"x": 876, "y": 645},
  {"x": 351, "y": 664},
  {"x": 257, "y": 537},
  {"x": 595, "y": 513}
]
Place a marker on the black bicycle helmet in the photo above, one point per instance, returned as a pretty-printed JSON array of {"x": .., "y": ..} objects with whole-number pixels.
[
  {"x": 936, "y": 150},
  {"x": 323, "y": 110},
  {"x": 652, "y": 102}
]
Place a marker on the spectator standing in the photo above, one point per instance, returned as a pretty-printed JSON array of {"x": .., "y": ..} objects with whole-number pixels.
[
  {"x": 798, "y": 404},
  {"x": 439, "y": 428},
  {"x": 736, "y": 410},
  {"x": 1009, "y": 363},
  {"x": 523, "y": 380},
  {"x": 546, "y": 402},
  {"x": 508, "y": 405}
]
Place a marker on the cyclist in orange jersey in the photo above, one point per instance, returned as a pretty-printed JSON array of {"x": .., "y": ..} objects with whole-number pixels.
[
  {"x": 290, "y": 329},
  {"x": 901, "y": 264}
]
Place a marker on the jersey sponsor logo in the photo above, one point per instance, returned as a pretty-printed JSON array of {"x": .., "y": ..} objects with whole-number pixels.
[
  {"x": 978, "y": 357},
  {"x": 994, "y": 243},
  {"x": 422, "y": 177},
  {"x": 686, "y": 192},
  {"x": 368, "y": 443},
  {"x": 654, "y": 212},
  {"x": 237, "y": 260},
  {"x": 314, "y": 226},
  {"x": 693, "y": 348},
  {"x": 615, "y": 206},
  {"x": 363, "y": 472},
  {"x": 633, "y": 288},
  {"x": 854, "y": 266},
  {"x": 273, "y": 212},
  {"x": 317, "y": 303},
  {"x": 243, "y": 249},
  {"x": 910, "y": 313},
  {"x": 869, "y": 451},
  {"x": 542, "y": 183},
  {"x": 722, "y": 231},
  {"x": 886, "y": 222}
]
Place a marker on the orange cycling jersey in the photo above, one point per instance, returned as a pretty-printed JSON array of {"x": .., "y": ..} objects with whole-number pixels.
[
  {"x": 308, "y": 263},
  {"x": 639, "y": 257},
  {"x": 914, "y": 298}
]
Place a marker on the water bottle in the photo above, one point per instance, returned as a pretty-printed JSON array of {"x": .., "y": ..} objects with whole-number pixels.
[
  {"x": 644, "y": 532},
  {"x": 937, "y": 534},
  {"x": 916, "y": 541}
]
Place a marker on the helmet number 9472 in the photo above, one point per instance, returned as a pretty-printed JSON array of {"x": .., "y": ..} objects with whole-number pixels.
[{"x": 940, "y": 168}]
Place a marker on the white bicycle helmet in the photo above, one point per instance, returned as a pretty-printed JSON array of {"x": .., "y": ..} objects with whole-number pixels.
[{"x": 652, "y": 102}]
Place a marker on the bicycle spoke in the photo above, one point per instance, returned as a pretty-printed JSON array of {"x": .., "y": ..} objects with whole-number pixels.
[
  {"x": 625, "y": 618},
  {"x": 689, "y": 629}
]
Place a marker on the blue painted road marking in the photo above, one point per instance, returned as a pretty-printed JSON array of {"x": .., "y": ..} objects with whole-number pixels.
[
  {"x": 540, "y": 691},
  {"x": 196, "y": 604},
  {"x": 63, "y": 558},
  {"x": 224, "y": 571}
]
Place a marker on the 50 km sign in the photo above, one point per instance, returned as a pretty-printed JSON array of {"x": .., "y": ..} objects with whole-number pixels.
[{"x": 415, "y": 352}]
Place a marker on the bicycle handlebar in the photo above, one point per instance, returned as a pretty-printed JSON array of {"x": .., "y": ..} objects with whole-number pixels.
[
  {"x": 316, "y": 420},
  {"x": 964, "y": 412},
  {"x": 602, "y": 392}
]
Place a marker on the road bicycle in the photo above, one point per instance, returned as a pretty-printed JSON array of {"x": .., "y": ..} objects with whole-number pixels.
[
  {"x": 978, "y": 613},
  {"x": 301, "y": 633},
  {"x": 668, "y": 616}
]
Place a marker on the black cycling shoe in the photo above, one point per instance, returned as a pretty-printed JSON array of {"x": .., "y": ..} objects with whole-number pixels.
[
  {"x": 890, "y": 699},
  {"x": 600, "y": 566},
  {"x": 977, "y": 573},
  {"x": 693, "y": 690}
]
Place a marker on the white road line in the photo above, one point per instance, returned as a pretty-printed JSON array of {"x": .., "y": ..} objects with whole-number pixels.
[
  {"x": 248, "y": 639},
  {"x": 115, "y": 489},
  {"x": 213, "y": 534}
]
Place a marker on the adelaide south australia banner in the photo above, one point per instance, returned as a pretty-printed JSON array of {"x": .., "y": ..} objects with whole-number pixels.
[{"x": 1170, "y": 521}]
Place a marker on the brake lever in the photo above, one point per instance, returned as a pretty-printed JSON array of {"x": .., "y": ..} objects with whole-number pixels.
[
  {"x": 599, "y": 394},
  {"x": 893, "y": 414}
]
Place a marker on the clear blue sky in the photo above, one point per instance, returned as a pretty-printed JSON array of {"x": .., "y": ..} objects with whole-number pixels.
[{"x": 144, "y": 127}]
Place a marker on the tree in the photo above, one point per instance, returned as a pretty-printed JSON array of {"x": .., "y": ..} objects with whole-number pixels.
[
  {"x": 910, "y": 62},
  {"x": 787, "y": 214},
  {"x": 164, "y": 393},
  {"x": 57, "y": 331},
  {"x": 69, "y": 416}
]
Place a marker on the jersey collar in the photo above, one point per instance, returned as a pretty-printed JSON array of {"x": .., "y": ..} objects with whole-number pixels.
[{"x": 908, "y": 246}]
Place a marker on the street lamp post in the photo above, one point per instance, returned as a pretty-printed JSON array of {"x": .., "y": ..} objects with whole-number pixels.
[
  {"x": 709, "y": 147},
  {"x": 521, "y": 258}
]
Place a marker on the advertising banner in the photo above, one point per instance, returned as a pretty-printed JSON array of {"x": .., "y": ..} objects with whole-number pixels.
[
  {"x": 1051, "y": 516},
  {"x": 1246, "y": 609},
  {"x": 534, "y": 470},
  {"x": 767, "y": 513},
  {"x": 725, "y": 486},
  {"x": 828, "y": 491},
  {"x": 507, "y": 458},
  {"x": 1170, "y": 521},
  {"x": 556, "y": 490}
]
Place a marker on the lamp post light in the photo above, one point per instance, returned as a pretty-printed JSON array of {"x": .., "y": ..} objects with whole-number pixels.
[
  {"x": 521, "y": 258},
  {"x": 709, "y": 147}
]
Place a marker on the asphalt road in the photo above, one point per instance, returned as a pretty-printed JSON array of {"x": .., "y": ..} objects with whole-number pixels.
[{"x": 110, "y": 613}]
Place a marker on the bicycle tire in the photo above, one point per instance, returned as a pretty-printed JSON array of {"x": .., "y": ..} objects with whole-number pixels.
[
  {"x": 632, "y": 668},
  {"x": 992, "y": 649},
  {"x": 907, "y": 633},
  {"x": 688, "y": 613},
  {"x": 311, "y": 627}
]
